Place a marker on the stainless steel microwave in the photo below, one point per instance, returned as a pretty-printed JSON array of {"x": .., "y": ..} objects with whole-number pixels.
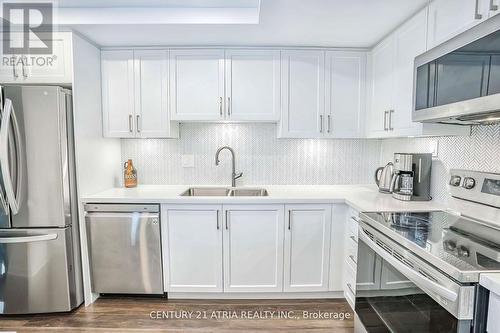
[{"x": 458, "y": 82}]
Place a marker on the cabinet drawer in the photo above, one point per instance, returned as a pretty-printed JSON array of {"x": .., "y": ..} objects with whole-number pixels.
[
  {"x": 352, "y": 252},
  {"x": 350, "y": 275}
]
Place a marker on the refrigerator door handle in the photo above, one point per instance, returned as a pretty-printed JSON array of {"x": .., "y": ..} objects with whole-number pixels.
[
  {"x": 14, "y": 196},
  {"x": 27, "y": 239}
]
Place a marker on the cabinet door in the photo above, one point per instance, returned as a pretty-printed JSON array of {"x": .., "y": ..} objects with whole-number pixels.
[
  {"x": 410, "y": 42},
  {"x": 53, "y": 68},
  {"x": 253, "y": 248},
  {"x": 369, "y": 267},
  {"x": 345, "y": 93},
  {"x": 253, "y": 85},
  {"x": 118, "y": 93},
  {"x": 382, "y": 87},
  {"x": 391, "y": 278},
  {"x": 307, "y": 247},
  {"x": 197, "y": 84},
  {"x": 10, "y": 66},
  {"x": 303, "y": 93},
  {"x": 151, "y": 95},
  {"x": 448, "y": 18},
  {"x": 192, "y": 248}
]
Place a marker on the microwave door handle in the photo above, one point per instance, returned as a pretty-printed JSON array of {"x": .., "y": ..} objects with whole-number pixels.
[
  {"x": 27, "y": 239},
  {"x": 14, "y": 196},
  {"x": 411, "y": 274}
]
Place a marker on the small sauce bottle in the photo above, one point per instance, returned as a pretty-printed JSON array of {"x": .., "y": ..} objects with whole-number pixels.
[{"x": 129, "y": 174}]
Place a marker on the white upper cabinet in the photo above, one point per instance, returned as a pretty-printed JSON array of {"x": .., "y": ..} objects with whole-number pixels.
[
  {"x": 382, "y": 87},
  {"x": 117, "y": 68},
  {"x": 151, "y": 91},
  {"x": 197, "y": 84},
  {"x": 448, "y": 18},
  {"x": 252, "y": 85},
  {"x": 253, "y": 248},
  {"x": 345, "y": 93},
  {"x": 53, "y": 68},
  {"x": 192, "y": 248},
  {"x": 410, "y": 41},
  {"x": 303, "y": 93},
  {"x": 307, "y": 247},
  {"x": 135, "y": 94},
  {"x": 391, "y": 84}
]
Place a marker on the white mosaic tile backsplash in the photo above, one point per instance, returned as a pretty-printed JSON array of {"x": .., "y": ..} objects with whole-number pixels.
[
  {"x": 261, "y": 157},
  {"x": 480, "y": 151},
  {"x": 264, "y": 159}
]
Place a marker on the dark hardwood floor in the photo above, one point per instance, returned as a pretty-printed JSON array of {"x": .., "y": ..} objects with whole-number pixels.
[{"x": 134, "y": 315}]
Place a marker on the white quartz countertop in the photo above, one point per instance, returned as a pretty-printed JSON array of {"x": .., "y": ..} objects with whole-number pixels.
[
  {"x": 490, "y": 281},
  {"x": 360, "y": 197}
]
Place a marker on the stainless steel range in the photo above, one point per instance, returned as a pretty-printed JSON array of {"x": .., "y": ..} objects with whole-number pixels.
[{"x": 419, "y": 271}]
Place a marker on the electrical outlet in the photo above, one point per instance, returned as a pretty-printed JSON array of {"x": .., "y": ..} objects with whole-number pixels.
[
  {"x": 434, "y": 148},
  {"x": 188, "y": 161}
]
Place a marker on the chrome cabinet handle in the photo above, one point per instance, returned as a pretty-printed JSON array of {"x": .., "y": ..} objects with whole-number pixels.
[
  {"x": 14, "y": 71},
  {"x": 227, "y": 225},
  {"x": 130, "y": 126},
  {"x": 477, "y": 16},
  {"x": 353, "y": 259},
  {"x": 217, "y": 219},
  {"x": 385, "y": 120},
  {"x": 355, "y": 219},
  {"x": 493, "y": 7},
  {"x": 229, "y": 106},
  {"x": 23, "y": 70},
  {"x": 354, "y": 239},
  {"x": 328, "y": 123},
  {"x": 289, "y": 220},
  {"x": 137, "y": 124},
  {"x": 321, "y": 123},
  {"x": 391, "y": 112},
  {"x": 220, "y": 106}
]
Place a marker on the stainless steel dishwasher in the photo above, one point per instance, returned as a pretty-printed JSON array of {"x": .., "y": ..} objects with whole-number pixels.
[{"x": 125, "y": 249}]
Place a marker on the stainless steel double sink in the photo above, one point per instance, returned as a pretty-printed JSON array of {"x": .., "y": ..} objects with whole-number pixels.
[{"x": 224, "y": 192}]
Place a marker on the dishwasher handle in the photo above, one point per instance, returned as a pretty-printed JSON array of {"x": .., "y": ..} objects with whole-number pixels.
[{"x": 121, "y": 208}]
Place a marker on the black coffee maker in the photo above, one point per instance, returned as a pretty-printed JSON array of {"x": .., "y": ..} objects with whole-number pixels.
[{"x": 412, "y": 177}]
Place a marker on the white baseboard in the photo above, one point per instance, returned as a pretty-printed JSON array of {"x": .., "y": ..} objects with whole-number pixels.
[{"x": 287, "y": 295}]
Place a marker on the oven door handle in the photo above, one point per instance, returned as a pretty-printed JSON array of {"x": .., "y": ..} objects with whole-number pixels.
[{"x": 411, "y": 274}]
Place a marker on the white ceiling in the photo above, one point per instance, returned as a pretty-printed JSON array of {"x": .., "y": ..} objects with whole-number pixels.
[{"x": 329, "y": 23}]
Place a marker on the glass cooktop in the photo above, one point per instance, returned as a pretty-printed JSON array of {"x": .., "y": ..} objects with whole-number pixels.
[{"x": 458, "y": 242}]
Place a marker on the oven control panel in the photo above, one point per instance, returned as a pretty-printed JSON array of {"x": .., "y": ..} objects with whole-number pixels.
[{"x": 475, "y": 186}]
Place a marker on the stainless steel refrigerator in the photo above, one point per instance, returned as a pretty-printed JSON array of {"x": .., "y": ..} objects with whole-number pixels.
[{"x": 40, "y": 263}]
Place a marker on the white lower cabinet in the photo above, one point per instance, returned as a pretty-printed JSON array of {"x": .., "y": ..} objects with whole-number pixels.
[
  {"x": 253, "y": 248},
  {"x": 192, "y": 248},
  {"x": 307, "y": 247}
]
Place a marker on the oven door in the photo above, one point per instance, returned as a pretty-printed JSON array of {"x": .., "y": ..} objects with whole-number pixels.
[{"x": 398, "y": 292}]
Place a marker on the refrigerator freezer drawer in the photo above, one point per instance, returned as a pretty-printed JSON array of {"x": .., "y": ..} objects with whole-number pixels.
[
  {"x": 125, "y": 252},
  {"x": 36, "y": 271}
]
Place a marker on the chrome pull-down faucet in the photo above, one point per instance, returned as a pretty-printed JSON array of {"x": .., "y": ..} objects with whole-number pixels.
[{"x": 234, "y": 175}]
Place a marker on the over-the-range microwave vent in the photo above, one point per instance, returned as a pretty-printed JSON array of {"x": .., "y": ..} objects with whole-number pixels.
[{"x": 486, "y": 118}]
